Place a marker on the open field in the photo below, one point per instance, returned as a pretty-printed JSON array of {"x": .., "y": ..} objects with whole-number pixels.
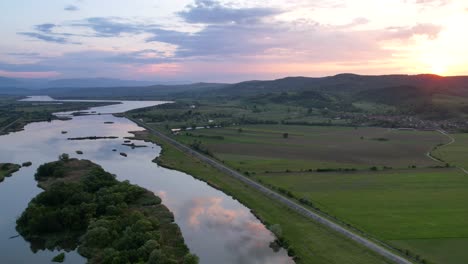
[
  {"x": 226, "y": 112},
  {"x": 403, "y": 207},
  {"x": 439, "y": 250},
  {"x": 455, "y": 153},
  {"x": 312, "y": 242},
  {"x": 260, "y": 148},
  {"x": 411, "y": 201}
]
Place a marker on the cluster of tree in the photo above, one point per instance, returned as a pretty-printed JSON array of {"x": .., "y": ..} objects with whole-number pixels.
[
  {"x": 7, "y": 169},
  {"x": 198, "y": 146},
  {"x": 335, "y": 169},
  {"x": 205, "y": 136},
  {"x": 281, "y": 242},
  {"x": 109, "y": 221}
]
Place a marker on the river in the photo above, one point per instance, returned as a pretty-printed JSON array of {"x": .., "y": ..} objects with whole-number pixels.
[{"x": 216, "y": 227}]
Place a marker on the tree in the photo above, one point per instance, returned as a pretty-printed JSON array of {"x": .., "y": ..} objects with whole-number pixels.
[
  {"x": 191, "y": 259},
  {"x": 285, "y": 135},
  {"x": 64, "y": 157},
  {"x": 277, "y": 230}
]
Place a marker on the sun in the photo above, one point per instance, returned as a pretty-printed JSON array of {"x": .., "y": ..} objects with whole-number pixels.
[{"x": 438, "y": 69}]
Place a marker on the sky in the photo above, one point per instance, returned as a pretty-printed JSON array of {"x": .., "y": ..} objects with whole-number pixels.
[{"x": 230, "y": 41}]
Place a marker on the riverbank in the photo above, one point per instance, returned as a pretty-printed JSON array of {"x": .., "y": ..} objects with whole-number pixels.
[
  {"x": 7, "y": 169},
  {"x": 17, "y": 114},
  {"x": 309, "y": 241},
  {"x": 86, "y": 208}
]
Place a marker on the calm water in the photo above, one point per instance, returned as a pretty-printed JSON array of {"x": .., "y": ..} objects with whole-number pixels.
[{"x": 216, "y": 227}]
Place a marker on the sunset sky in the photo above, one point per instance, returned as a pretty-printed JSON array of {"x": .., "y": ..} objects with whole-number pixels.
[{"x": 228, "y": 41}]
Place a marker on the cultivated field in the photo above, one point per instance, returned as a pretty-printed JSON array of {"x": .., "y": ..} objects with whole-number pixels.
[
  {"x": 409, "y": 200},
  {"x": 404, "y": 207},
  {"x": 260, "y": 148},
  {"x": 455, "y": 153},
  {"x": 312, "y": 242}
]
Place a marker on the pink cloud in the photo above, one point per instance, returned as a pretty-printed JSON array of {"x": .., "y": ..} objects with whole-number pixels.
[
  {"x": 213, "y": 210},
  {"x": 29, "y": 74}
]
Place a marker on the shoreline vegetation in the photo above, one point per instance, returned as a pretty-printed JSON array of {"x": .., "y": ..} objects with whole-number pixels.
[
  {"x": 305, "y": 240},
  {"x": 15, "y": 115},
  {"x": 84, "y": 207},
  {"x": 7, "y": 169},
  {"x": 92, "y": 138}
]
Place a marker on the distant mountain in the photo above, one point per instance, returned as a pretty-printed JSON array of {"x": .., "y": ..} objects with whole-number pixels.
[
  {"x": 146, "y": 92},
  {"x": 395, "y": 95},
  {"x": 390, "y": 89},
  {"x": 8, "y": 82},
  {"x": 72, "y": 83},
  {"x": 345, "y": 84},
  {"x": 94, "y": 82}
]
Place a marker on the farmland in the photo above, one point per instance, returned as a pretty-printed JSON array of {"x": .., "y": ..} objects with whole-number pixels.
[
  {"x": 455, "y": 153},
  {"x": 260, "y": 148},
  {"x": 311, "y": 242},
  {"x": 376, "y": 180},
  {"x": 398, "y": 206}
]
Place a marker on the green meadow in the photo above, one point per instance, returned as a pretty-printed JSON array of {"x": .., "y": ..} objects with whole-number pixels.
[{"x": 379, "y": 180}]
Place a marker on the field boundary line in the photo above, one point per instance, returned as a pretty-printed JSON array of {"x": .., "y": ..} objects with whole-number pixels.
[
  {"x": 452, "y": 140},
  {"x": 377, "y": 248}
]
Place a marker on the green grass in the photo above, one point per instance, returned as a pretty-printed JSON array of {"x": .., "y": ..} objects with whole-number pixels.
[
  {"x": 440, "y": 250},
  {"x": 259, "y": 148},
  {"x": 455, "y": 153},
  {"x": 389, "y": 204},
  {"x": 393, "y": 205},
  {"x": 226, "y": 112},
  {"x": 312, "y": 242}
]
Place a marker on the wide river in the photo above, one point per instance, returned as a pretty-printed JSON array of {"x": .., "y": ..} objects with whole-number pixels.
[{"x": 216, "y": 227}]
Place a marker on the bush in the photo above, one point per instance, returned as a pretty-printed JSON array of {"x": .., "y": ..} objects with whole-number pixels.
[
  {"x": 64, "y": 157},
  {"x": 59, "y": 258},
  {"x": 26, "y": 164}
]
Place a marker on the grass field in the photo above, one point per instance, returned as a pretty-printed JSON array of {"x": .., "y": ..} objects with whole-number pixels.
[
  {"x": 226, "y": 112},
  {"x": 312, "y": 242},
  {"x": 260, "y": 148},
  {"x": 402, "y": 207},
  {"x": 455, "y": 153},
  {"x": 399, "y": 205},
  {"x": 439, "y": 250}
]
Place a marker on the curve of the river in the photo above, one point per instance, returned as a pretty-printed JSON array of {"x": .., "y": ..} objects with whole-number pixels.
[{"x": 216, "y": 227}]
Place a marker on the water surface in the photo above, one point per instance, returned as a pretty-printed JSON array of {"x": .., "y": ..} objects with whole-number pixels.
[{"x": 216, "y": 227}]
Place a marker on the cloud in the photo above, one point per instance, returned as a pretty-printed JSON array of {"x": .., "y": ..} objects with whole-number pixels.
[
  {"x": 45, "y": 32},
  {"x": 24, "y": 54},
  {"x": 95, "y": 63},
  {"x": 429, "y": 30},
  {"x": 45, "y": 28},
  {"x": 71, "y": 8},
  {"x": 429, "y": 3},
  {"x": 47, "y": 38},
  {"x": 211, "y": 12},
  {"x": 110, "y": 27}
]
